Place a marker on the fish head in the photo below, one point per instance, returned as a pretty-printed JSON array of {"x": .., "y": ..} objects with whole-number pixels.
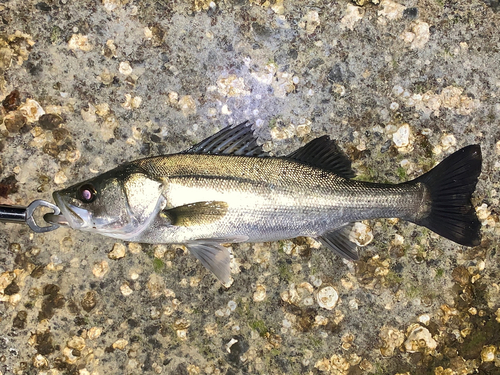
[{"x": 119, "y": 203}]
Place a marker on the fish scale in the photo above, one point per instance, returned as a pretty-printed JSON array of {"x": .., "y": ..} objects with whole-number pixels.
[{"x": 301, "y": 200}]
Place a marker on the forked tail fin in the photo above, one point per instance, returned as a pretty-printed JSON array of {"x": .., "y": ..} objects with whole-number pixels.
[{"x": 450, "y": 185}]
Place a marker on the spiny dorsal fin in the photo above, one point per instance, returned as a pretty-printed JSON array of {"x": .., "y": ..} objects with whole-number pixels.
[
  {"x": 239, "y": 140},
  {"x": 198, "y": 213},
  {"x": 324, "y": 153},
  {"x": 338, "y": 241}
]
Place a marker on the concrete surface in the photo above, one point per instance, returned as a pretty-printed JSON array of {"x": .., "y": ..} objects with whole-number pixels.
[{"x": 400, "y": 84}]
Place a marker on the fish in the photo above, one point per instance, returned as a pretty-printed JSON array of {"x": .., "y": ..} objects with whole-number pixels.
[{"x": 227, "y": 189}]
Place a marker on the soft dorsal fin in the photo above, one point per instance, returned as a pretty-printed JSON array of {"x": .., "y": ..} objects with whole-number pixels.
[
  {"x": 239, "y": 140},
  {"x": 324, "y": 153}
]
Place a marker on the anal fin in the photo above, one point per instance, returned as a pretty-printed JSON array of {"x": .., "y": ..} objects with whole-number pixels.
[
  {"x": 338, "y": 241},
  {"x": 214, "y": 257}
]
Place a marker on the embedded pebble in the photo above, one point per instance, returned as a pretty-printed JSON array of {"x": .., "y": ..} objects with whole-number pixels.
[
  {"x": 134, "y": 248},
  {"x": 187, "y": 105},
  {"x": 125, "y": 289},
  {"x": 447, "y": 141},
  {"x": 266, "y": 76},
  {"x": 181, "y": 326},
  {"x": 232, "y": 86},
  {"x": 69, "y": 356},
  {"x": 419, "y": 339},
  {"x": 125, "y": 68},
  {"x": 361, "y": 234},
  {"x": 76, "y": 342},
  {"x": 391, "y": 10},
  {"x": 316, "y": 281},
  {"x": 39, "y": 361},
  {"x": 94, "y": 332},
  {"x": 102, "y": 109},
  {"x": 100, "y": 269},
  {"x": 485, "y": 216},
  {"x": 173, "y": 97},
  {"x": 353, "y": 304},
  {"x": 159, "y": 251},
  {"x": 424, "y": 319},
  {"x": 14, "y": 121},
  {"x": 353, "y": 15},
  {"x": 50, "y": 121},
  {"x": 225, "y": 110},
  {"x": 488, "y": 353},
  {"x": 110, "y": 50},
  {"x": 392, "y": 338},
  {"x": 299, "y": 294},
  {"x": 398, "y": 240},
  {"x": 260, "y": 293},
  {"x": 279, "y": 133},
  {"x": 401, "y": 137},
  {"x": 283, "y": 84},
  {"x": 81, "y": 42},
  {"x": 421, "y": 30},
  {"x": 327, "y": 297},
  {"x": 278, "y": 7},
  {"x": 262, "y": 253},
  {"x": 132, "y": 102},
  {"x": 31, "y": 110},
  {"x": 303, "y": 129},
  {"x": 60, "y": 178},
  {"x": 118, "y": 251},
  {"x": 120, "y": 344},
  {"x": 156, "y": 285},
  {"x": 89, "y": 115},
  {"x": 312, "y": 21}
]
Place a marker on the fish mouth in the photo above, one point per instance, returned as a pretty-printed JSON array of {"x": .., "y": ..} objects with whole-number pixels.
[{"x": 71, "y": 215}]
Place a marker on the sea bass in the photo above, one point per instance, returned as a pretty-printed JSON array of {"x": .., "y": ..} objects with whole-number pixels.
[{"x": 226, "y": 189}]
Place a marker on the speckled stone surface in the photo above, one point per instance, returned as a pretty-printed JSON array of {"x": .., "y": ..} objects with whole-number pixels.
[{"x": 88, "y": 85}]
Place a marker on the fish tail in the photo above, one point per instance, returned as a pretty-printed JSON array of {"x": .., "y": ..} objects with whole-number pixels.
[{"x": 450, "y": 186}]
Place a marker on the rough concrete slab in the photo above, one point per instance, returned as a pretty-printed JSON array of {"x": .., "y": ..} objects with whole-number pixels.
[{"x": 88, "y": 85}]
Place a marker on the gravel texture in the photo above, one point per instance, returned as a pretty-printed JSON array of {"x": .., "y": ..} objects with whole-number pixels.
[{"x": 87, "y": 85}]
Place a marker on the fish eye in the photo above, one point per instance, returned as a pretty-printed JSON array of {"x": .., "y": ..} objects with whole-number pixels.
[{"x": 87, "y": 193}]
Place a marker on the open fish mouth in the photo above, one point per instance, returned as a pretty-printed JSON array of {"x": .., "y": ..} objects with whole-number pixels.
[{"x": 71, "y": 215}]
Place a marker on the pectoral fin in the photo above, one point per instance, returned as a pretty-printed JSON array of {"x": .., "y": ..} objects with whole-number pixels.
[
  {"x": 338, "y": 241},
  {"x": 198, "y": 213},
  {"x": 214, "y": 257}
]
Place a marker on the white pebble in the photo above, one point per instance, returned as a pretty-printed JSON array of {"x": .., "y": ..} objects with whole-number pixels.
[
  {"x": 401, "y": 137},
  {"x": 125, "y": 68},
  {"x": 60, "y": 178},
  {"x": 327, "y": 297},
  {"x": 260, "y": 293},
  {"x": 126, "y": 289},
  {"x": 361, "y": 234},
  {"x": 100, "y": 269},
  {"x": 118, "y": 251}
]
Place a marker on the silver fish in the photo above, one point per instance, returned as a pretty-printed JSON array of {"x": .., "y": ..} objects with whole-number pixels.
[{"x": 226, "y": 189}]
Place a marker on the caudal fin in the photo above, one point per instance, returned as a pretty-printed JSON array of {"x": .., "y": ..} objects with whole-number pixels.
[{"x": 450, "y": 185}]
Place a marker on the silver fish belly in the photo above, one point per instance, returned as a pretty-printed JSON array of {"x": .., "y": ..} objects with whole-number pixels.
[{"x": 227, "y": 189}]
